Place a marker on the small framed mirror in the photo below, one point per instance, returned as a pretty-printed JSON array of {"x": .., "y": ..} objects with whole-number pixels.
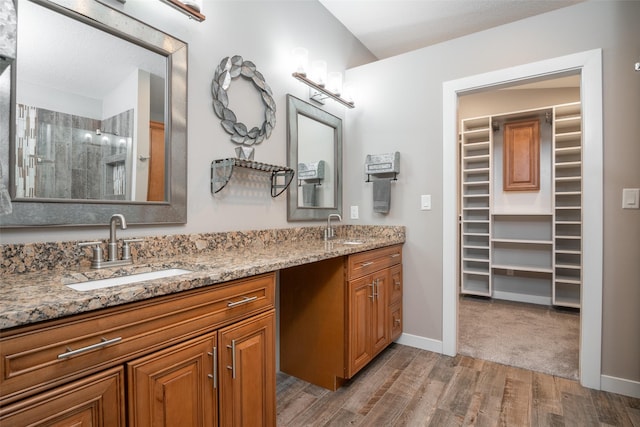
[{"x": 314, "y": 147}]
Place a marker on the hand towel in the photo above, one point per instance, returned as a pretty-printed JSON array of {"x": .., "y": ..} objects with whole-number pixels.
[
  {"x": 309, "y": 195},
  {"x": 381, "y": 195}
]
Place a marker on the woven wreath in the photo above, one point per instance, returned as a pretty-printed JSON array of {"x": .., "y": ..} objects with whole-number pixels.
[{"x": 229, "y": 69}]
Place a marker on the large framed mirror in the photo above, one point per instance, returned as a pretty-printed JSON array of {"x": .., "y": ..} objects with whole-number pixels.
[
  {"x": 314, "y": 147},
  {"x": 98, "y": 126}
]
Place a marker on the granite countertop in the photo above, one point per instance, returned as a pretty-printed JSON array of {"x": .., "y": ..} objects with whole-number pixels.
[{"x": 33, "y": 297}]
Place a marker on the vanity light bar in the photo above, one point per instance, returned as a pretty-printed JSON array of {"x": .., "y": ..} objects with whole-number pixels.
[
  {"x": 189, "y": 11},
  {"x": 319, "y": 88}
]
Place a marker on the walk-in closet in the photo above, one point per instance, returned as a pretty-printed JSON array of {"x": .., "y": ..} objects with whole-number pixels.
[{"x": 520, "y": 216}]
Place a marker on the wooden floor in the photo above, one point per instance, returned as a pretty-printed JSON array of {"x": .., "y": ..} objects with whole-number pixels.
[{"x": 405, "y": 386}]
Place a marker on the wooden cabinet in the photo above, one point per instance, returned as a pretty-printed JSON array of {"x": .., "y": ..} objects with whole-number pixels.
[
  {"x": 395, "y": 302},
  {"x": 247, "y": 372},
  {"x": 336, "y": 315},
  {"x": 370, "y": 291},
  {"x": 168, "y": 346},
  {"x": 175, "y": 386},
  {"x": 97, "y": 400},
  {"x": 368, "y": 331}
]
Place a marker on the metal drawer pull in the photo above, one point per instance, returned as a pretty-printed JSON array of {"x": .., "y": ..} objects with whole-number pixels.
[
  {"x": 395, "y": 255},
  {"x": 366, "y": 264},
  {"x": 243, "y": 301},
  {"x": 105, "y": 342},
  {"x": 214, "y": 377}
]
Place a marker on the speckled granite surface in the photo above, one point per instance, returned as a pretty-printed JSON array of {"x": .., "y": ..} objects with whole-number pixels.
[{"x": 32, "y": 287}]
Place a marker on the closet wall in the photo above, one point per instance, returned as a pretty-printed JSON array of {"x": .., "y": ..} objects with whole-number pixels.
[{"x": 521, "y": 245}]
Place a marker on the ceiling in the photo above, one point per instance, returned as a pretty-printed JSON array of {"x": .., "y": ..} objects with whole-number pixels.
[{"x": 391, "y": 27}]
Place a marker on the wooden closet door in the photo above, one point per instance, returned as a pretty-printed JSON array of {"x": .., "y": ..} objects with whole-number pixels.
[
  {"x": 157, "y": 161},
  {"x": 175, "y": 386}
]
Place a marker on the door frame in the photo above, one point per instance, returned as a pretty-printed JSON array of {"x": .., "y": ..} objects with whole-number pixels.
[{"x": 589, "y": 65}]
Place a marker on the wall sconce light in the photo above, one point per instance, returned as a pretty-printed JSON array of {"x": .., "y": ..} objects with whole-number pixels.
[
  {"x": 191, "y": 8},
  {"x": 321, "y": 85}
]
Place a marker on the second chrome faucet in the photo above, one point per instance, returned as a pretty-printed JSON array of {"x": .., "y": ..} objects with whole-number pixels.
[{"x": 329, "y": 232}]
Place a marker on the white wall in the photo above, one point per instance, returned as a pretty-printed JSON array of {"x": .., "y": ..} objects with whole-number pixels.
[{"x": 400, "y": 108}]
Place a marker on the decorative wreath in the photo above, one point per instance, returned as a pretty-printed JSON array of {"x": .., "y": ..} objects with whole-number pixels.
[{"x": 229, "y": 69}]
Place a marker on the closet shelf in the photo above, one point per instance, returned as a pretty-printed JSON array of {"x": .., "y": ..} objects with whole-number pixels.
[
  {"x": 222, "y": 169},
  {"x": 522, "y": 268},
  {"x": 523, "y": 241}
]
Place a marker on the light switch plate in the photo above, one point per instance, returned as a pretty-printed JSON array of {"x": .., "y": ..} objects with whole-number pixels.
[
  {"x": 425, "y": 202},
  {"x": 354, "y": 212},
  {"x": 631, "y": 198}
]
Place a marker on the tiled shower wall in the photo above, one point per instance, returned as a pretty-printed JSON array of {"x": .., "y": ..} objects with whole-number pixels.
[{"x": 60, "y": 155}]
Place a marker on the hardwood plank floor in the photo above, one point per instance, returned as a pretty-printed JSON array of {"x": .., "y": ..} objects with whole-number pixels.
[{"x": 405, "y": 386}]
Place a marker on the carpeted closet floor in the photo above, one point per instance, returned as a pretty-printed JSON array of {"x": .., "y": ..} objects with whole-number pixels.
[{"x": 529, "y": 336}]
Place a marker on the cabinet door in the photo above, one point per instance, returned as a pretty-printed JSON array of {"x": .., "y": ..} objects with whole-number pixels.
[
  {"x": 248, "y": 372},
  {"x": 359, "y": 321},
  {"x": 175, "y": 386},
  {"x": 94, "y": 401},
  {"x": 379, "y": 311}
]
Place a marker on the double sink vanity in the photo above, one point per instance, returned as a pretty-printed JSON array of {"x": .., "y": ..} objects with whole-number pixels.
[{"x": 199, "y": 343}]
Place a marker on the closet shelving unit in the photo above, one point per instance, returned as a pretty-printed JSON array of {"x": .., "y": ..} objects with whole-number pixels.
[
  {"x": 540, "y": 251},
  {"x": 567, "y": 189},
  {"x": 475, "y": 221}
]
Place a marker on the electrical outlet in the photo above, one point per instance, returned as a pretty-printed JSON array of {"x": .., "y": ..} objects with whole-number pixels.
[{"x": 354, "y": 212}]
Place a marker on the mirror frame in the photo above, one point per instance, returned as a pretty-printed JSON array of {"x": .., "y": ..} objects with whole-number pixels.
[
  {"x": 295, "y": 107},
  {"x": 56, "y": 212}
]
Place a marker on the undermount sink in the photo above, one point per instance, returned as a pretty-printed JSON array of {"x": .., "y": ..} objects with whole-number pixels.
[{"x": 91, "y": 285}]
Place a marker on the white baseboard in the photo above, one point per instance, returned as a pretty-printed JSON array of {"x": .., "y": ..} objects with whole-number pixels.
[
  {"x": 420, "y": 342},
  {"x": 620, "y": 386}
]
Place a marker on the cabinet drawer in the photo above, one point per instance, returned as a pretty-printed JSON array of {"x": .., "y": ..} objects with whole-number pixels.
[
  {"x": 395, "y": 319},
  {"x": 38, "y": 357},
  {"x": 367, "y": 262}
]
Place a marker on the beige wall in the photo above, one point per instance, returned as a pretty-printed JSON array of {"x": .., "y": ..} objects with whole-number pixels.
[{"x": 401, "y": 109}]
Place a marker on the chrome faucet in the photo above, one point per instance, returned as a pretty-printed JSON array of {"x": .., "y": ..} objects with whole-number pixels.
[
  {"x": 329, "y": 232},
  {"x": 112, "y": 247},
  {"x": 116, "y": 219}
]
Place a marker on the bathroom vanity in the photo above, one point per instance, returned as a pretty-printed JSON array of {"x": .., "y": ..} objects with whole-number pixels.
[
  {"x": 337, "y": 315},
  {"x": 200, "y": 346}
]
